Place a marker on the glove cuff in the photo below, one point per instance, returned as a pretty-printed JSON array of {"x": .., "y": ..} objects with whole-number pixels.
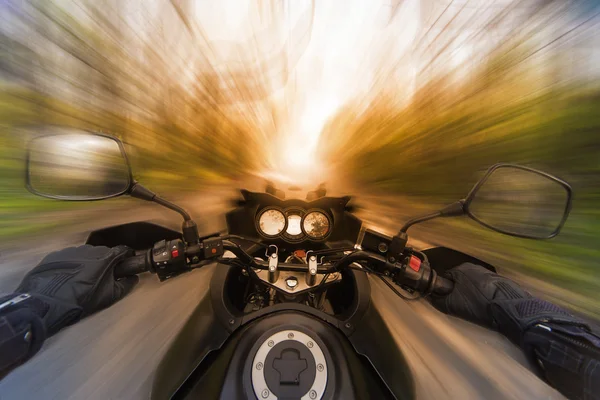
[
  {"x": 514, "y": 317},
  {"x": 22, "y": 334},
  {"x": 54, "y": 314}
]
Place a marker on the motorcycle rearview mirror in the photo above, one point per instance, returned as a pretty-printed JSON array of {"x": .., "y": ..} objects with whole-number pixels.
[
  {"x": 520, "y": 201},
  {"x": 79, "y": 165},
  {"x": 514, "y": 200}
]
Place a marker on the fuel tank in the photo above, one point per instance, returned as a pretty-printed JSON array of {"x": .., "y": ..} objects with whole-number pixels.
[{"x": 285, "y": 351}]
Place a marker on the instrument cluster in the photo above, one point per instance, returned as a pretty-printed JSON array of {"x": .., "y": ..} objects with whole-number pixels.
[{"x": 293, "y": 224}]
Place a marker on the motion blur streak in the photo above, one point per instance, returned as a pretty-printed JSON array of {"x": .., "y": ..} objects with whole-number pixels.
[
  {"x": 402, "y": 103},
  {"x": 409, "y": 98}
]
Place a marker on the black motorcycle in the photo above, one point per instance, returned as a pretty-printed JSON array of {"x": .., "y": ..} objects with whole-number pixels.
[{"x": 289, "y": 314}]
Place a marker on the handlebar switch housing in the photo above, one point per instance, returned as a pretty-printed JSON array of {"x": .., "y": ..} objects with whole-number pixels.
[
  {"x": 213, "y": 247},
  {"x": 413, "y": 273},
  {"x": 391, "y": 248},
  {"x": 397, "y": 247},
  {"x": 376, "y": 242},
  {"x": 168, "y": 258}
]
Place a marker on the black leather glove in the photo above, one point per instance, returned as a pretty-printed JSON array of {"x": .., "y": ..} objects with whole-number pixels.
[
  {"x": 64, "y": 287},
  {"x": 498, "y": 303},
  {"x": 563, "y": 347},
  {"x": 72, "y": 283}
]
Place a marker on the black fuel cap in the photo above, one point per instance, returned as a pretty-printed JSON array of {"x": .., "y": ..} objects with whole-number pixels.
[
  {"x": 290, "y": 370},
  {"x": 289, "y": 364}
]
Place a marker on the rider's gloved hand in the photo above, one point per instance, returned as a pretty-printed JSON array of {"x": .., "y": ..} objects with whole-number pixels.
[
  {"x": 488, "y": 299},
  {"x": 64, "y": 287},
  {"x": 564, "y": 347},
  {"x": 72, "y": 283}
]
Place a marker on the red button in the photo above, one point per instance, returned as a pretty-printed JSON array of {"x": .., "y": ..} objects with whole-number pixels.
[
  {"x": 175, "y": 253},
  {"x": 415, "y": 263}
]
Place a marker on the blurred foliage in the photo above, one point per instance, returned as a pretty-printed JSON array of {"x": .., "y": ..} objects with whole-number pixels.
[
  {"x": 185, "y": 121},
  {"x": 512, "y": 107},
  {"x": 503, "y": 83}
]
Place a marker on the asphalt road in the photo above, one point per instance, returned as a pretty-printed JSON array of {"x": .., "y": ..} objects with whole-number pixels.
[{"x": 113, "y": 354}]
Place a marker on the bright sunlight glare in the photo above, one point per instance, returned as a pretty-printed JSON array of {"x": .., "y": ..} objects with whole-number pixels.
[{"x": 326, "y": 76}]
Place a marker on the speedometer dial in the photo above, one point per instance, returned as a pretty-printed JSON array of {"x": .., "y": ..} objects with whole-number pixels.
[
  {"x": 271, "y": 222},
  {"x": 316, "y": 225}
]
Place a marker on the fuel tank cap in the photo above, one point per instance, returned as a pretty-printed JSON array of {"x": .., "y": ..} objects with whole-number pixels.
[{"x": 289, "y": 364}]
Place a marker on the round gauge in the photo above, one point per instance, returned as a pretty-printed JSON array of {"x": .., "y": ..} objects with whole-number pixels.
[
  {"x": 271, "y": 222},
  {"x": 316, "y": 225},
  {"x": 293, "y": 227}
]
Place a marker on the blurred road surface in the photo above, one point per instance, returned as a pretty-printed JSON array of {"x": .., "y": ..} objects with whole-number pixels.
[{"x": 113, "y": 354}]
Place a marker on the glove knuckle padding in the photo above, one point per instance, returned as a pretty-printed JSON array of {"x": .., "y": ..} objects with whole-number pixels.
[
  {"x": 49, "y": 278},
  {"x": 513, "y": 317}
]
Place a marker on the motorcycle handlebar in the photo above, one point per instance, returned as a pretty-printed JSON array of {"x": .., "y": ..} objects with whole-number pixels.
[
  {"x": 436, "y": 284},
  {"x": 428, "y": 282},
  {"x": 133, "y": 265}
]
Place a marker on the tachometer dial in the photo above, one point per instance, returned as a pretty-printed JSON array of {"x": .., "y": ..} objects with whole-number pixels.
[
  {"x": 271, "y": 222},
  {"x": 316, "y": 225}
]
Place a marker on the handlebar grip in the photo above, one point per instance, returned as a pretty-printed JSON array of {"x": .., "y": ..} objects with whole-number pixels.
[
  {"x": 442, "y": 286},
  {"x": 132, "y": 266}
]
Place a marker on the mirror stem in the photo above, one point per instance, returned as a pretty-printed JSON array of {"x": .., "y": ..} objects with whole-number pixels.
[
  {"x": 174, "y": 207},
  {"x": 417, "y": 220},
  {"x": 452, "y": 210},
  {"x": 189, "y": 228},
  {"x": 140, "y": 192}
]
